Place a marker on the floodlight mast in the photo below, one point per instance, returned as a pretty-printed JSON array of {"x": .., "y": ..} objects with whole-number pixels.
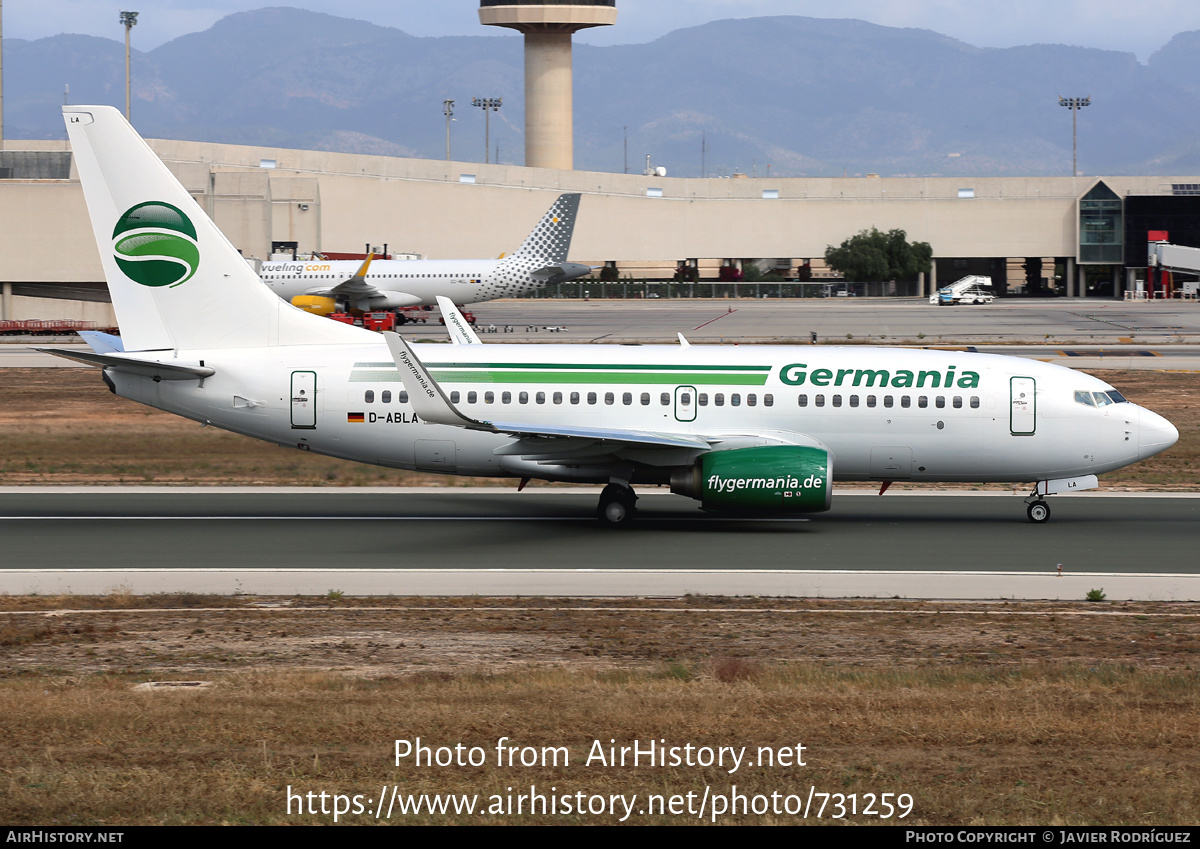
[
  {"x": 448, "y": 110},
  {"x": 129, "y": 21},
  {"x": 488, "y": 105},
  {"x": 1074, "y": 104}
]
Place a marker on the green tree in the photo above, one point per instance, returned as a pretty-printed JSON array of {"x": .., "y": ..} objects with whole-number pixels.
[{"x": 870, "y": 256}]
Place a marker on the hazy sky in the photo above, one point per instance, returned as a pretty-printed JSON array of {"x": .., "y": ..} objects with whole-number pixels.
[{"x": 1140, "y": 26}]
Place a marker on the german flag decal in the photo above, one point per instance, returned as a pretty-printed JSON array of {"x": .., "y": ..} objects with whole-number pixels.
[{"x": 356, "y": 417}]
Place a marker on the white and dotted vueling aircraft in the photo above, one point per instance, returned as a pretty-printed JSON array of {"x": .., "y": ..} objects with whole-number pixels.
[
  {"x": 377, "y": 284},
  {"x": 750, "y": 430}
]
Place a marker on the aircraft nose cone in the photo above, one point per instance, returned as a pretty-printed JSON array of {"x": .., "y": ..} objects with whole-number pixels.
[{"x": 1155, "y": 434}]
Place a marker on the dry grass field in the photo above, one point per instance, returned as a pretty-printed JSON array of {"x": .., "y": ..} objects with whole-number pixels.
[
  {"x": 1001, "y": 713},
  {"x": 983, "y": 714}
]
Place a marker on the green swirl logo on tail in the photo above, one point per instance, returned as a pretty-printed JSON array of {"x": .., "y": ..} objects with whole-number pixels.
[{"x": 155, "y": 245}]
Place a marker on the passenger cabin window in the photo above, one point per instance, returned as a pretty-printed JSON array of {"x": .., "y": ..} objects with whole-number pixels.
[
  {"x": 719, "y": 399},
  {"x": 523, "y": 398},
  {"x": 958, "y": 402},
  {"x": 402, "y": 398},
  {"x": 702, "y": 399},
  {"x": 591, "y": 397},
  {"x": 751, "y": 400},
  {"x": 506, "y": 398},
  {"x": 385, "y": 397},
  {"x": 557, "y": 397},
  {"x": 489, "y": 397},
  {"x": 735, "y": 400},
  {"x": 939, "y": 402},
  {"x": 574, "y": 397},
  {"x": 870, "y": 400},
  {"x": 472, "y": 396},
  {"x": 627, "y": 398},
  {"x": 887, "y": 401},
  {"x": 905, "y": 401},
  {"x": 802, "y": 400},
  {"x": 819, "y": 400},
  {"x": 540, "y": 397},
  {"x": 768, "y": 400},
  {"x": 645, "y": 399},
  {"x": 974, "y": 402},
  {"x": 923, "y": 401},
  {"x": 369, "y": 396},
  {"x": 665, "y": 399},
  {"x": 837, "y": 400},
  {"x": 609, "y": 398}
]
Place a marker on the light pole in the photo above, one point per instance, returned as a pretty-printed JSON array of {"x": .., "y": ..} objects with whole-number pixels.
[
  {"x": 488, "y": 105},
  {"x": 1, "y": 74},
  {"x": 1074, "y": 104},
  {"x": 129, "y": 21},
  {"x": 448, "y": 110}
]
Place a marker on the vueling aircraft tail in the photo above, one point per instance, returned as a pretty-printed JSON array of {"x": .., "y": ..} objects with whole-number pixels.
[
  {"x": 175, "y": 280},
  {"x": 551, "y": 239}
]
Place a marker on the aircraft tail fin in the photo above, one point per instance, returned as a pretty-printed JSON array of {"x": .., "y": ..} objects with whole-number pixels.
[
  {"x": 176, "y": 282},
  {"x": 551, "y": 239}
]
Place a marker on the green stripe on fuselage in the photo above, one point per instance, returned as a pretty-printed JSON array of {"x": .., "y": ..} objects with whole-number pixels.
[{"x": 565, "y": 377}]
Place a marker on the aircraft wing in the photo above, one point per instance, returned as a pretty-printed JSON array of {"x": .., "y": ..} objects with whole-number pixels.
[
  {"x": 357, "y": 289},
  {"x": 432, "y": 405}
]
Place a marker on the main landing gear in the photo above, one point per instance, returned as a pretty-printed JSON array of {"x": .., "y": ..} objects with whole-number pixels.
[{"x": 617, "y": 505}]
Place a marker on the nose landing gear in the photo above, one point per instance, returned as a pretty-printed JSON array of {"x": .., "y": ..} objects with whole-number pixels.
[{"x": 1038, "y": 511}]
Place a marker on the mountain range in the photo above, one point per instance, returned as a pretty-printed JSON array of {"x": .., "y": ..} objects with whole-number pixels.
[{"x": 787, "y": 96}]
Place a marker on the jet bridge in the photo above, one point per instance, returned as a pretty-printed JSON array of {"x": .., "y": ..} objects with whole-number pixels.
[{"x": 1163, "y": 256}]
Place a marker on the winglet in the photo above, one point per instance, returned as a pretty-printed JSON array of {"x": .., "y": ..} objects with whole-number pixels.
[
  {"x": 362, "y": 269},
  {"x": 458, "y": 328},
  {"x": 427, "y": 398},
  {"x": 684, "y": 343}
]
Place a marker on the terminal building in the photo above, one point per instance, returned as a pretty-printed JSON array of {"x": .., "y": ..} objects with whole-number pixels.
[{"x": 1071, "y": 237}]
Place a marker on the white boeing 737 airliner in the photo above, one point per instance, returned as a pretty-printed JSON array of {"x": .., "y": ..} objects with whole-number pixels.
[
  {"x": 745, "y": 430},
  {"x": 388, "y": 284}
]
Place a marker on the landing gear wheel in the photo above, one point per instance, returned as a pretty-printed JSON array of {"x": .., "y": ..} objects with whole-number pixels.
[
  {"x": 617, "y": 505},
  {"x": 1039, "y": 512}
]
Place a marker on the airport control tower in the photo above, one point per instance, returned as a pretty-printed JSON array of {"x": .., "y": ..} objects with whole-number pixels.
[{"x": 548, "y": 26}]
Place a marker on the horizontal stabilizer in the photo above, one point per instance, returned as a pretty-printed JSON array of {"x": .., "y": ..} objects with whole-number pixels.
[
  {"x": 102, "y": 343},
  {"x": 173, "y": 370}
]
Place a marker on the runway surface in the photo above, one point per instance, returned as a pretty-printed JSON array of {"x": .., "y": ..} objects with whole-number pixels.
[{"x": 542, "y": 542}]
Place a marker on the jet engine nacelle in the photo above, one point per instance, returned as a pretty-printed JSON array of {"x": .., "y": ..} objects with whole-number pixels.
[
  {"x": 316, "y": 304},
  {"x": 770, "y": 479},
  {"x": 387, "y": 301}
]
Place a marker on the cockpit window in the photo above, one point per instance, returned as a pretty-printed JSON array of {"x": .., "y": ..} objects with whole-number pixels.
[
  {"x": 1102, "y": 399},
  {"x": 1117, "y": 397},
  {"x": 1084, "y": 398}
]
